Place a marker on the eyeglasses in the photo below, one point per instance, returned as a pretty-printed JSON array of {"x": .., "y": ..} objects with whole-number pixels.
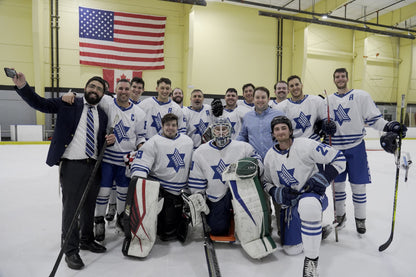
[{"x": 92, "y": 86}]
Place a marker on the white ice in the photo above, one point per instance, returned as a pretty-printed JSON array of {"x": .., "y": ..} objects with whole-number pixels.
[{"x": 30, "y": 216}]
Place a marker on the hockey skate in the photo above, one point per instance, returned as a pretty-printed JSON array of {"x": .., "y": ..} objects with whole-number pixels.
[
  {"x": 326, "y": 230},
  {"x": 360, "y": 225},
  {"x": 310, "y": 267},
  {"x": 99, "y": 228},
  {"x": 111, "y": 212},
  {"x": 119, "y": 223},
  {"x": 341, "y": 221}
]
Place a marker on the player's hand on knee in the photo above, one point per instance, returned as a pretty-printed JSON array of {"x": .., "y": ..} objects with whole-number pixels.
[
  {"x": 317, "y": 183},
  {"x": 395, "y": 127},
  {"x": 284, "y": 195},
  {"x": 329, "y": 127}
]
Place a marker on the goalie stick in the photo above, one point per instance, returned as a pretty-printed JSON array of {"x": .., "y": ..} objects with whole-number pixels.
[
  {"x": 210, "y": 255},
  {"x": 396, "y": 186},
  {"x": 82, "y": 201},
  {"x": 332, "y": 183},
  {"x": 212, "y": 262}
]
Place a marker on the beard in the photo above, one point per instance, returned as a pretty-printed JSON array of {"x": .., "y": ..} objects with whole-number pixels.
[
  {"x": 89, "y": 97},
  {"x": 177, "y": 99}
]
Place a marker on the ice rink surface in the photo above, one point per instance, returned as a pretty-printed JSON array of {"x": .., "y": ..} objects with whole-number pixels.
[{"x": 30, "y": 214}]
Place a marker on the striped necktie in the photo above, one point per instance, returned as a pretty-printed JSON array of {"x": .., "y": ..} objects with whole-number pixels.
[{"x": 90, "y": 145}]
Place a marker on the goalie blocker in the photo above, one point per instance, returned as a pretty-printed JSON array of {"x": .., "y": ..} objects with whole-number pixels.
[{"x": 250, "y": 209}]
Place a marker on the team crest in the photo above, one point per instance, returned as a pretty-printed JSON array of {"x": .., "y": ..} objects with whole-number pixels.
[
  {"x": 286, "y": 176},
  {"x": 341, "y": 115},
  {"x": 303, "y": 121},
  {"x": 120, "y": 131},
  {"x": 157, "y": 122},
  {"x": 218, "y": 169},
  {"x": 176, "y": 160}
]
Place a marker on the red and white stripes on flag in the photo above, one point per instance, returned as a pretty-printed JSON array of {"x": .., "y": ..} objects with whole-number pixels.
[
  {"x": 121, "y": 40},
  {"x": 113, "y": 75}
]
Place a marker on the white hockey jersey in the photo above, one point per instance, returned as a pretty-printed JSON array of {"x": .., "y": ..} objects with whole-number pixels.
[
  {"x": 294, "y": 166},
  {"x": 273, "y": 104},
  {"x": 209, "y": 162},
  {"x": 165, "y": 160},
  {"x": 303, "y": 114},
  {"x": 243, "y": 103},
  {"x": 236, "y": 119},
  {"x": 197, "y": 122},
  {"x": 129, "y": 124},
  {"x": 155, "y": 110},
  {"x": 351, "y": 111}
]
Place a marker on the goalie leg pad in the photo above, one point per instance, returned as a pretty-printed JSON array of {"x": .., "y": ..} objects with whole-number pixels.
[
  {"x": 140, "y": 220},
  {"x": 251, "y": 217}
]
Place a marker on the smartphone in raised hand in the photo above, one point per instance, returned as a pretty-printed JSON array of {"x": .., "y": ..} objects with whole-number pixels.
[{"x": 10, "y": 72}]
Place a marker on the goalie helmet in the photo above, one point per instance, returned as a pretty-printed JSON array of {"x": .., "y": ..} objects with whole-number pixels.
[
  {"x": 389, "y": 142},
  {"x": 221, "y": 131}
]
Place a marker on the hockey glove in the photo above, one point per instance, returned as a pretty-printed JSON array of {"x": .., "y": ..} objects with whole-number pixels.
[
  {"x": 396, "y": 127},
  {"x": 197, "y": 205},
  {"x": 217, "y": 107},
  {"x": 317, "y": 128},
  {"x": 317, "y": 183},
  {"x": 389, "y": 142},
  {"x": 329, "y": 127},
  {"x": 284, "y": 196}
]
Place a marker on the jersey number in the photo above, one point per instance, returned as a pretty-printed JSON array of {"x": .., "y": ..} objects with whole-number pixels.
[{"x": 322, "y": 148}]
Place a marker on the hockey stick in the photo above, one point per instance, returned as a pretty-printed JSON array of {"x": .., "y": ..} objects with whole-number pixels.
[
  {"x": 396, "y": 186},
  {"x": 332, "y": 183},
  {"x": 81, "y": 203},
  {"x": 212, "y": 262}
]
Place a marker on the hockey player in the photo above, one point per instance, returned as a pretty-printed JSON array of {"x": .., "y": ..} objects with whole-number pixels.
[
  {"x": 156, "y": 107},
  {"x": 248, "y": 94},
  {"x": 177, "y": 96},
  {"x": 233, "y": 112},
  {"x": 166, "y": 158},
  {"x": 352, "y": 109},
  {"x": 130, "y": 134},
  {"x": 137, "y": 89},
  {"x": 303, "y": 110},
  {"x": 197, "y": 116},
  {"x": 208, "y": 163},
  {"x": 281, "y": 91},
  {"x": 292, "y": 178}
]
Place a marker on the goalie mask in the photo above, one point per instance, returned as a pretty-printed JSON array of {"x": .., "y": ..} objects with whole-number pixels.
[{"x": 221, "y": 131}]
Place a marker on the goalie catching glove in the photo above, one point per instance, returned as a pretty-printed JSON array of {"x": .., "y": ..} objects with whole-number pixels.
[{"x": 197, "y": 205}]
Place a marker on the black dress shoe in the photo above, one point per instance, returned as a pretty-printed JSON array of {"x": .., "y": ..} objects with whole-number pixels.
[
  {"x": 93, "y": 247},
  {"x": 74, "y": 261}
]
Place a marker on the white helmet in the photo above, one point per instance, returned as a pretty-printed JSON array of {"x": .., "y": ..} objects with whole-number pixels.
[{"x": 221, "y": 131}]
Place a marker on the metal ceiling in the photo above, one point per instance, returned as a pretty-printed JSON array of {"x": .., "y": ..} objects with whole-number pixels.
[{"x": 352, "y": 14}]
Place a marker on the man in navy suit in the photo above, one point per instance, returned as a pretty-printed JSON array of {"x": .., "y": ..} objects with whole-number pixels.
[{"x": 68, "y": 150}]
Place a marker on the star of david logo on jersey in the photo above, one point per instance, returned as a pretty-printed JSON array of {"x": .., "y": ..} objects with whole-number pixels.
[
  {"x": 232, "y": 125},
  {"x": 120, "y": 131},
  {"x": 218, "y": 169},
  {"x": 201, "y": 127},
  {"x": 341, "y": 115},
  {"x": 303, "y": 121},
  {"x": 286, "y": 176},
  {"x": 157, "y": 122},
  {"x": 176, "y": 160}
]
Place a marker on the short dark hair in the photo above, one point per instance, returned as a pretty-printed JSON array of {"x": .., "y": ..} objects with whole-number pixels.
[
  {"x": 231, "y": 90},
  {"x": 169, "y": 117},
  {"x": 281, "y": 81},
  {"x": 293, "y": 77},
  {"x": 262, "y": 89},
  {"x": 248, "y": 85},
  {"x": 137, "y": 80},
  {"x": 164, "y": 80},
  {"x": 341, "y": 70},
  {"x": 98, "y": 79},
  {"x": 123, "y": 81}
]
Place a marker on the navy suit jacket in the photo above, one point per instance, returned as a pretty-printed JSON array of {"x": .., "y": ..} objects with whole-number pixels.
[{"x": 68, "y": 117}]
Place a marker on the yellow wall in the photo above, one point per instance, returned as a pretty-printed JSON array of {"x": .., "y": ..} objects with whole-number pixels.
[{"x": 213, "y": 48}]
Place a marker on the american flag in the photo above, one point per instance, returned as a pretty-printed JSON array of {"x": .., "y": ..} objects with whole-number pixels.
[{"x": 121, "y": 40}]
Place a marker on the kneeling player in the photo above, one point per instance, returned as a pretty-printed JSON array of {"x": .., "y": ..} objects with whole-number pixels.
[
  {"x": 292, "y": 178},
  {"x": 208, "y": 163},
  {"x": 165, "y": 160}
]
